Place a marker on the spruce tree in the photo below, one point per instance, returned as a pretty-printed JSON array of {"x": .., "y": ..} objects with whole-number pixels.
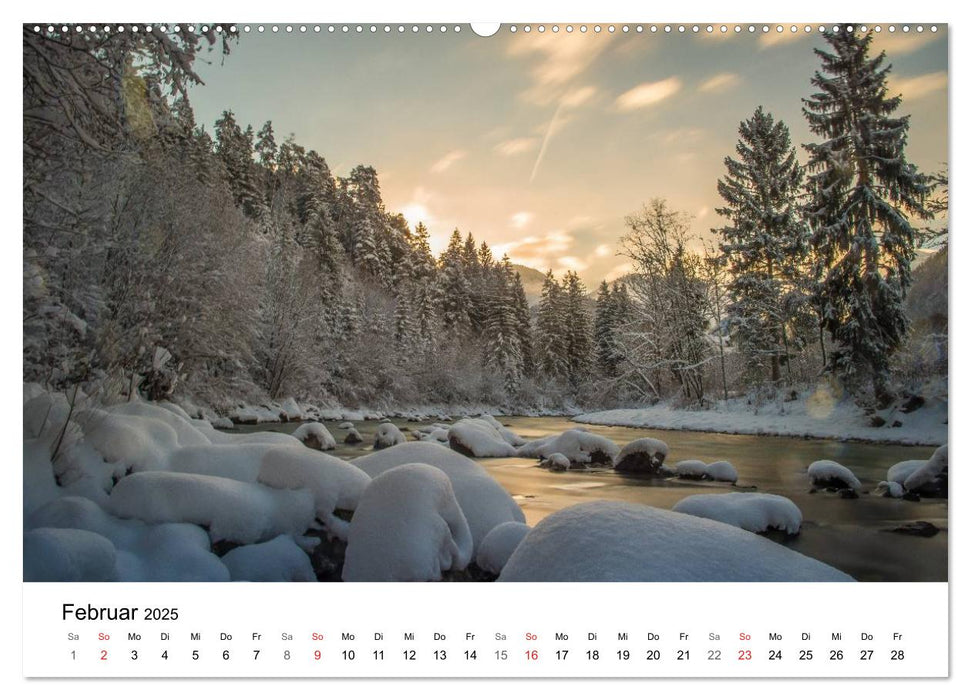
[
  {"x": 524, "y": 333},
  {"x": 763, "y": 243},
  {"x": 551, "y": 336},
  {"x": 579, "y": 334},
  {"x": 604, "y": 331},
  {"x": 862, "y": 190}
]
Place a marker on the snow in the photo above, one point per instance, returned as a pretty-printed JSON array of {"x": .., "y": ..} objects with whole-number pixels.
[
  {"x": 891, "y": 489},
  {"x": 353, "y": 437},
  {"x": 504, "y": 432},
  {"x": 347, "y": 425},
  {"x": 929, "y": 471},
  {"x": 826, "y": 473},
  {"x": 239, "y": 462},
  {"x": 280, "y": 559},
  {"x": 483, "y": 500},
  {"x": 334, "y": 483},
  {"x": 67, "y": 554},
  {"x": 645, "y": 455},
  {"x": 899, "y": 472},
  {"x": 579, "y": 446},
  {"x": 696, "y": 469},
  {"x": 316, "y": 436},
  {"x": 499, "y": 545},
  {"x": 612, "y": 541},
  {"x": 167, "y": 552},
  {"x": 388, "y": 435},
  {"x": 755, "y": 512},
  {"x": 557, "y": 461},
  {"x": 231, "y": 510},
  {"x": 477, "y": 437},
  {"x": 815, "y": 414},
  {"x": 407, "y": 527}
]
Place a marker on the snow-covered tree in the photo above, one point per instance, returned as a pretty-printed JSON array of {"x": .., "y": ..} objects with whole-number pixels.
[
  {"x": 862, "y": 192},
  {"x": 764, "y": 241}
]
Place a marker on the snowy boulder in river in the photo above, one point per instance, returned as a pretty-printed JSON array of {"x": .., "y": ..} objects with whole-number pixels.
[
  {"x": 504, "y": 432},
  {"x": 353, "y": 437},
  {"x": 64, "y": 554},
  {"x": 930, "y": 479},
  {"x": 484, "y": 502},
  {"x": 755, "y": 512},
  {"x": 315, "y": 436},
  {"x": 716, "y": 471},
  {"x": 232, "y": 510},
  {"x": 499, "y": 545},
  {"x": 582, "y": 448},
  {"x": 407, "y": 527},
  {"x": 476, "y": 437},
  {"x": 643, "y": 456},
  {"x": 890, "y": 489},
  {"x": 388, "y": 435},
  {"x": 827, "y": 474},
  {"x": 280, "y": 559},
  {"x": 612, "y": 541},
  {"x": 556, "y": 462}
]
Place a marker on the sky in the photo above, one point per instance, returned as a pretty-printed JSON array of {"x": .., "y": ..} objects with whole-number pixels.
[{"x": 541, "y": 143}]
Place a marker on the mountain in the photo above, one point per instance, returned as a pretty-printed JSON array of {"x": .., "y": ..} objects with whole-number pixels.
[{"x": 532, "y": 282}]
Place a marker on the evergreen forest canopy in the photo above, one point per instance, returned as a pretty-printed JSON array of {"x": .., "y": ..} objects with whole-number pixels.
[{"x": 235, "y": 266}]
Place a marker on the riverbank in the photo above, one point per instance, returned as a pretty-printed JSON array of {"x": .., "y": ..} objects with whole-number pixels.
[{"x": 817, "y": 415}]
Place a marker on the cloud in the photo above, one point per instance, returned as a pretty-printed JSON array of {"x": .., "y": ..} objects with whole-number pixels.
[
  {"x": 720, "y": 82},
  {"x": 603, "y": 250},
  {"x": 578, "y": 97},
  {"x": 786, "y": 36},
  {"x": 683, "y": 135},
  {"x": 647, "y": 94},
  {"x": 521, "y": 219},
  {"x": 901, "y": 44},
  {"x": 619, "y": 271},
  {"x": 561, "y": 59},
  {"x": 571, "y": 262},
  {"x": 918, "y": 86},
  {"x": 515, "y": 147},
  {"x": 447, "y": 161}
]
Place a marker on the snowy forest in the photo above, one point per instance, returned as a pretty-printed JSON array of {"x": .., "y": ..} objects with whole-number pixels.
[{"x": 228, "y": 264}]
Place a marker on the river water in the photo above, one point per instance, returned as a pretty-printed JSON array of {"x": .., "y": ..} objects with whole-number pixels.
[{"x": 852, "y": 535}]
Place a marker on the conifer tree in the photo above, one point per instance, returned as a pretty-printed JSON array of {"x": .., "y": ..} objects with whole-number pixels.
[
  {"x": 862, "y": 191},
  {"x": 551, "y": 337},
  {"x": 578, "y": 329},
  {"x": 764, "y": 240}
]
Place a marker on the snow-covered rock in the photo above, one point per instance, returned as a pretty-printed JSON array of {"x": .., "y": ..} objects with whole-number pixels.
[
  {"x": 499, "y": 545},
  {"x": 931, "y": 477},
  {"x": 347, "y": 425},
  {"x": 696, "y": 469},
  {"x": 232, "y": 510},
  {"x": 890, "y": 489},
  {"x": 167, "y": 552},
  {"x": 280, "y": 559},
  {"x": 755, "y": 512},
  {"x": 504, "y": 432},
  {"x": 477, "y": 437},
  {"x": 556, "y": 462},
  {"x": 610, "y": 541},
  {"x": 899, "y": 472},
  {"x": 407, "y": 527},
  {"x": 643, "y": 456},
  {"x": 315, "y": 436},
  {"x": 353, "y": 437},
  {"x": 826, "y": 473},
  {"x": 579, "y": 446},
  {"x": 388, "y": 435},
  {"x": 484, "y": 502},
  {"x": 291, "y": 410},
  {"x": 64, "y": 554},
  {"x": 334, "y": 483}
]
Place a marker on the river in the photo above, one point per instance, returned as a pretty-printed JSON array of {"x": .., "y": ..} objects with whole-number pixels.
[{"x": 852, "y": 535}]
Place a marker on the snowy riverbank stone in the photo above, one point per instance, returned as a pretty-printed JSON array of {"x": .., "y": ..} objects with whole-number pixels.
[
  {"x": 642, "y": 456},
  {"x": 613, "y": 541},
  {"x": 315, "y": 436},
  {"x": 407, "y": 527},
  {"x": 234, "y": 511},
  {"x": 477, "y": 437},
  {"x": 827, "y": 474},
  {"x": 499, "y": 545},
  {"x": 755, "y": 512},
  {"x": 696, "y": 469},
  {"x": 388, "y": 435},
  {"x": 484, "y": 502},
  {"x": 353, "y": 437},
  {"x": 582, "y": 448},
  {"x": 556, "y": 462},
  {"x": 279, "y": 559}
]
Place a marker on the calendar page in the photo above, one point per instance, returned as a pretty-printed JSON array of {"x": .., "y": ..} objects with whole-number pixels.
[{"x": 423, "y": 349}]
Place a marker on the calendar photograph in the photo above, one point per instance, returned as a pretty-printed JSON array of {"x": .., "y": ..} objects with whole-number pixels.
[{"x": 532, "y": 303}]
